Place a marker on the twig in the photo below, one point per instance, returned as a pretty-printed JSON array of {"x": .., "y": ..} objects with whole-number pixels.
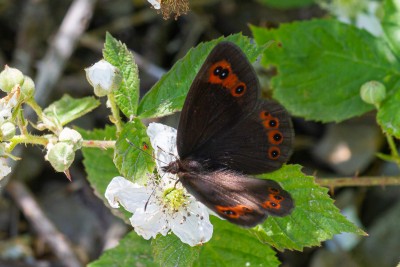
[
  {"x": 103, "y": 144},
  {"x": 41, "y": 224},
  {"x": 65, "y": 40},
  {"x": 358, "y": 181}
]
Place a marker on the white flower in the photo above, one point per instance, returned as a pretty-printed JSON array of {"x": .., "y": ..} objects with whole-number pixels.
[
  {"x": 104, "y": 77},
  {"x": 155, "y": 3},
  {"x": 163, "y": 205},
  {"x": 4, "y": 169}
]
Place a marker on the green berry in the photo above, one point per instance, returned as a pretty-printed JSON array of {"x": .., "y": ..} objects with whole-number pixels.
[
  {"x": 10, "y": 77},
  {"x": 7, "y": 131},
  {"x": 27, "y": 89},
  {"x": 60, "y": 156},
  {"x": 373, "y": 92}
]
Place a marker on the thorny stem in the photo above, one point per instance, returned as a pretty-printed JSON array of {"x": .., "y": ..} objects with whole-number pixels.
[
  {"x": 39, "y": 140},
  {"x": 27, "y": 139},
  {"x": 116, "y": 119}
]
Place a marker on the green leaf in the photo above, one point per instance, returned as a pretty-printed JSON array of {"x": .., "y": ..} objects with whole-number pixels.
[
  {"x": 98, "y": 162},
  {"x": 391, "y": 24},
  {"x": 68, "y": 109},
  {"x": 132, "y": 250},
  {"x": 168, "y": 94},
  {"x": 134, "y": 158},
  {"x": 314, "y": 219},
  {"x": 170, "y": 251},
  {"x": 118, "y": 55},
  {"x": 389, "y": 113},
  {"x": 232, "y": 245},
  {"x": 286, "y": 3},
  {"x": 321, "y": 66}
]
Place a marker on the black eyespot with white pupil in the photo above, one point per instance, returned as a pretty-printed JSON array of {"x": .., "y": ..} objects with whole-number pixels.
[
  {"x": 221, "y": 72},
  {"x": 217, "y": 71},
  {"x": 239, "y": 90},
  {"x": 272, "y": 123},
  {"x": 277, "y": 137},
  {"x": 274, "y": 153},
  {"x": 229, "y": 212},
  {"x": 224, "y": 73}
]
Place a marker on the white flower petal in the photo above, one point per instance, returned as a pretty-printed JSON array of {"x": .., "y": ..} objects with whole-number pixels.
[
  {"x": 104, "y": 77},
  {"x": 163, "y": 141},
  {"x": 131, "y": 196},
  {"x": 195, "y": 229},
  {"x": 150, "y": 222}
]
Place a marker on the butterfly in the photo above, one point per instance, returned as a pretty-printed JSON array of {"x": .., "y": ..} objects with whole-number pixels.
[{"x": 226, "y": 134}]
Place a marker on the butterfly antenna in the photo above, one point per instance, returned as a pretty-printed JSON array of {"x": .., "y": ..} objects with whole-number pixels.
[
  {"x": 146, "y": 153},
  {"x": 168, "y": 152},
  {"x": 147, "y": 202},
  {"x": 152, "y": 193}
]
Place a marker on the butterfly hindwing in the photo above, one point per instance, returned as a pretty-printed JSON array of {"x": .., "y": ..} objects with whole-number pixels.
[
  {"x": 240, "y": 199},
  {"x": 225, "y": 89}
]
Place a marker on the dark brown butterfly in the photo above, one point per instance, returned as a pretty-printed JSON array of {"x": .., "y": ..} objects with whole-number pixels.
[{"x": 225, "y": 134}]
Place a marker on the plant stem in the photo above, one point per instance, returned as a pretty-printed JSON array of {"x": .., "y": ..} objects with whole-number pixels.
[
  {"x": 358, "y": 181},
  {"x": 392, "y": 145},
  {"x": 116, "y": 119},
  {"x": 27, "y": 139},
  {"x": 38, "y": 110},
  {"x": 98, "y": 143}
]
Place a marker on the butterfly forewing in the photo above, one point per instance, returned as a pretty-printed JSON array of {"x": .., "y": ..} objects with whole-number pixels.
[{"x": 225, "y": 89}]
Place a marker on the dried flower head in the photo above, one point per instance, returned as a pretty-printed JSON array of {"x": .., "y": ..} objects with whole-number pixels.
[{"x": 174, "y": 8}]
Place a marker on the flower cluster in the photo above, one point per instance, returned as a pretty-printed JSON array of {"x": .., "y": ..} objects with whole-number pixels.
[{"x": 19, "y": 88}]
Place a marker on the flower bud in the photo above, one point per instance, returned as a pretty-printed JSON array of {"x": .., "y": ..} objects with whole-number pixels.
[
  {"x": 27, "y": 89},
  {"x": 7, "y": 131},
  {"x": 373, "y": 92},
  {"x": 71, "y": 137},
  {"x": 104, "y": 77},
  {"x": 60, "y": 156},
  {"x": 9, "y": 77}
]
